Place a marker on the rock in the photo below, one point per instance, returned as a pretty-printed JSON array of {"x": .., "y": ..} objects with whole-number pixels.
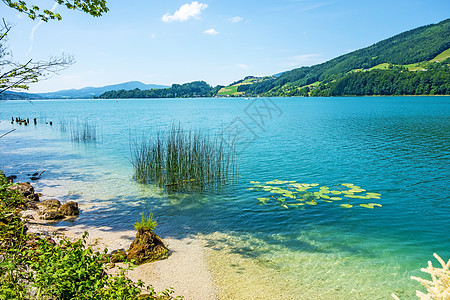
[
  {"x": 11, "y": 178},
  {"x": 52, "y": 215},
  {"x": 25, "y": 188},
  {"x": 70, "y": 209},
  {"x": 51, "y": 203},
  {"x": 147, "y": 247}
]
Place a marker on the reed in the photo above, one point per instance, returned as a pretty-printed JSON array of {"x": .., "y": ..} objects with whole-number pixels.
[
  {"x": 83, "y": 132},
  {"x": 180, "y": 160}
]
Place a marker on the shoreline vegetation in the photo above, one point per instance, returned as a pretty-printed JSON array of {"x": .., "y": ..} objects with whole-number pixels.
[{"x": 37, "y": 264}]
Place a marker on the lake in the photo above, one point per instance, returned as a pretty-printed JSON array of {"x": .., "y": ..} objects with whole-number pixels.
[{"x": 398, "y": 147}]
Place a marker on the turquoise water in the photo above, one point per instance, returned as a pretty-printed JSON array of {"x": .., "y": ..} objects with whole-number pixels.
[{"x": 396, "y": 146}]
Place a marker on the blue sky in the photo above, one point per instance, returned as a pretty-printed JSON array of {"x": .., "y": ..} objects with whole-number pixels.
[{"x": 165, "y": 42}]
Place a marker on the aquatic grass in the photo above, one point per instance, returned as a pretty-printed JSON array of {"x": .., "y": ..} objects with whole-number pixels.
[
  {"x": 83, "y": 132},
  {"x": 183, "y": 160}
]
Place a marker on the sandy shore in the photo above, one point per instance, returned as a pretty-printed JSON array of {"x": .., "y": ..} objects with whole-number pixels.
[{"x": 185, "y": 269}]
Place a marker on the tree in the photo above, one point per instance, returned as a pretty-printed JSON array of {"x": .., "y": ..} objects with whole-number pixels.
[
  {"x": 93, "y": 7},
  {"x": 15, "y": 75}
]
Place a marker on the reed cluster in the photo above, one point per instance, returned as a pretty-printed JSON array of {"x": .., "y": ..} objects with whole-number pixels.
[
  {"x": 180, "y": 160},
  {"x": 80, "y": 131}
]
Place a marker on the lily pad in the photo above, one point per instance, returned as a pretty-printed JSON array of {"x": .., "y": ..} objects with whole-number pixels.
[
  {"x": 336, "y": 192},
  {"x": 335, "y": 198},
  {"x": 328, "y": 201},
  {"x": 366, "y": 206},
  {"x": 346, "y": 205},
  {"x": 276, "y": 181},
  {"x": 311, "y": 203},
  {"x": 263, "y": 200}
]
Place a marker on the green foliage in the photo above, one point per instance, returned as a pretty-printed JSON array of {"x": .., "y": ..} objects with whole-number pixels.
[
  {"x": 146, "y": 223},
  {"x": 93, "y": 7},
  {"x": 417, "y": 45},
  {"x": 187, "y": 90},
  {"x": 31, "y": 267},
  {"x": 434, "y": 80}
]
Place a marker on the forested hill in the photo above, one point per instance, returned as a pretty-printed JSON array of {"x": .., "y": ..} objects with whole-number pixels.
[
  {"x": 415, "y": 62},
  {"x": 187, "y": 90},
  {"x": 400, "y": 53}
]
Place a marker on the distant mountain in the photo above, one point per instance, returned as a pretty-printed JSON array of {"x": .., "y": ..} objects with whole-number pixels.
[
  {"x": 91, "y": 92},
  {"x": 418, "y": 56},
  {"x": 18, "y": 96}
]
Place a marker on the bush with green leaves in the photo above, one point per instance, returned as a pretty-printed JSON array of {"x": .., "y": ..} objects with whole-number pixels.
[
  {"x": 32, "y": 267},
  {"x": 146, "y": 223}
]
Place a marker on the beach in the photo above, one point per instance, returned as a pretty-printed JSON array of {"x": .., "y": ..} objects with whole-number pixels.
[{"x": 185, "y": 270}]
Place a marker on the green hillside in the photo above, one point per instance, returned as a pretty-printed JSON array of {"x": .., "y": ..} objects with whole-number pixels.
[{"x": 409, "y": 51}]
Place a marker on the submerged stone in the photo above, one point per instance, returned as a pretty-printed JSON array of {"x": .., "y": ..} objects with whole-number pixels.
[{"x": 147, "y": 247}]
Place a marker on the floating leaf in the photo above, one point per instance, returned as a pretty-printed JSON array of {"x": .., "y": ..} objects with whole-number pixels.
[
  {"x": 250, "y": 189},
  {"x": 291, "y": 193},
  {"x": 276, "y": 181},
  {"x": 263, "y": 200},
  {"x": 367, "y": 206},
  {"x": 346, "y": 205},
  {"x": 347, "y": 184},
  {"x": 289, "y": 196}
]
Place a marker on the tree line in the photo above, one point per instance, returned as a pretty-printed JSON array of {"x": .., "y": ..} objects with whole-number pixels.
[{"x": 187, "y": 90}]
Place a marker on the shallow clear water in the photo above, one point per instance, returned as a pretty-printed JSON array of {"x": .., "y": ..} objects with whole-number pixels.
[{"x": 396, "y": 146}]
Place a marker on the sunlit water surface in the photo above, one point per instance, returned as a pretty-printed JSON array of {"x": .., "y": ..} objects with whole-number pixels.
[{"x": 396, "y": 146}]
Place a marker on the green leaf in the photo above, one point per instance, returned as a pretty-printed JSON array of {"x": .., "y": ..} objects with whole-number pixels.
[{"x": 346, "y": 205}]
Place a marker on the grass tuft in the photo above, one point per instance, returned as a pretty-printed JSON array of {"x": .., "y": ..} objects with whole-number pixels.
[{"x": 180, "y": 160}]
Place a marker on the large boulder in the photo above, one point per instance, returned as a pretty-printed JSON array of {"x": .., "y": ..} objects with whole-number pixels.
[
  {"x": 27, "y": 190},
  {"x": 70, "y": 209},
  {"x": 51, "y": 203},
  {"x": 147, "y": 247}
]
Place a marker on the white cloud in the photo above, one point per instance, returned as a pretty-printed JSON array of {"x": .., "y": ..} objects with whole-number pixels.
[
  {"x": 186, "y": 12},
  {"x": 235, "y": 19},
  {"x": 243, "y": 66},
  {"x": 211, "y": 31}
]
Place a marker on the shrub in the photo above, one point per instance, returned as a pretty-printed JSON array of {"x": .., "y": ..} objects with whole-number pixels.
[{"x": 146, "y": 224}]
